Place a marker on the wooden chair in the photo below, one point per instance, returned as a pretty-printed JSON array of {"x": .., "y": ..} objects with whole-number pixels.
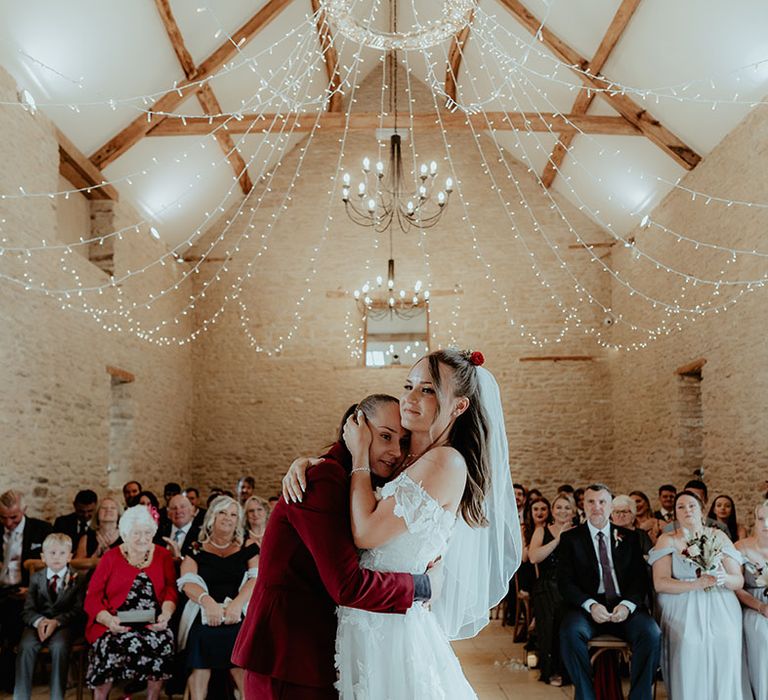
[
  {"x": 523, "y": 615},
  {"x": 607, "y": 652}
]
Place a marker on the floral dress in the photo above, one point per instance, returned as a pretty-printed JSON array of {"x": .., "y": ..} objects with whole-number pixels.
[{"x": 140, "y": 654}]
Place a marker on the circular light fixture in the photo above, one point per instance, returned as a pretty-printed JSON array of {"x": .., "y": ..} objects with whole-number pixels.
[{"x": 455, "y": 15}]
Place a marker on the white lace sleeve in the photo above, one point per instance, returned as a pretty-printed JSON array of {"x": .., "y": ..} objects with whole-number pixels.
[{"x": 414, "y": 505}]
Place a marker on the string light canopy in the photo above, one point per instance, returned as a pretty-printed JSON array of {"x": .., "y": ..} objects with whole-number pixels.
[{"x": 381, "y": 198}]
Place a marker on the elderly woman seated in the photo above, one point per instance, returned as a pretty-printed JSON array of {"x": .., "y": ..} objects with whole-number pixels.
[
  {"x": 129, "y": 602},
  {"x": 624, "y": 514}
]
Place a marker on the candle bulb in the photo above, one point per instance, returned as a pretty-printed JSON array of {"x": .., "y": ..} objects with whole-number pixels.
[
  {"x": 366, "y": 164},
  {"x": 433, "y": 168},
  {"x": 346, "y": 179}
]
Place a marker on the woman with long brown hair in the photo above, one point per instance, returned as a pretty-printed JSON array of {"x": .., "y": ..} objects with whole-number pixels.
[{"x": 441, "y": 504}]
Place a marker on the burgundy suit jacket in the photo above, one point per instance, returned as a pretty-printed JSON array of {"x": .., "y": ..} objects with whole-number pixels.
[{"x": 308, "y": 566}]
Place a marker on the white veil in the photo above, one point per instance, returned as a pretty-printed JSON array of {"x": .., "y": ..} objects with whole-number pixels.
[{"x": 481, "y": 561}]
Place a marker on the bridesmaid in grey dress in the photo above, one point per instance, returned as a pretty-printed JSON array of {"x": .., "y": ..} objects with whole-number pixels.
[
  {"x": 754, "y": 600},
  {"x": 700, "y": 616}
]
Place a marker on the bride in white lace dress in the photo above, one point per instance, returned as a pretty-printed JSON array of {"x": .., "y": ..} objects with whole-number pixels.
[{"x": 454, "y": 500}]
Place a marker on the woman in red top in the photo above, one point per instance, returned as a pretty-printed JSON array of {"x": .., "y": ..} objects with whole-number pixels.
[{"x": 137, "y": 575}]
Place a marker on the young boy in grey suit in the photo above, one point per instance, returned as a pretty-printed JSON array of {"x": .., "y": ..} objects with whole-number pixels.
[{"x": 53, "y": 614}]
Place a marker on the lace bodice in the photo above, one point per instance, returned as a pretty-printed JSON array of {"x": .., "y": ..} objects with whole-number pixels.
[{"x": 429, "y": 529}]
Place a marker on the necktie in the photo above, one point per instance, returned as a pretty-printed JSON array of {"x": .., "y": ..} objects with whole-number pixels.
[
  {"x": 54, "y": 584},
  {"x": 611, "y": 596},
  {"x": 178, "y": 535}
]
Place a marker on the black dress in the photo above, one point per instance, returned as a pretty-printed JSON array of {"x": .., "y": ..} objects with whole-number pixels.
[
  {"x": 211, "y": 647},
  {"x": 548, "y": 609}
]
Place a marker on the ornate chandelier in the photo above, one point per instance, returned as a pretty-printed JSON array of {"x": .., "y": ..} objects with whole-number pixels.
[{"x": 380, "y": 198}]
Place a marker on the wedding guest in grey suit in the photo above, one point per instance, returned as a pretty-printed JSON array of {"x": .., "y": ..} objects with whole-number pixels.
[{"x": 53, "y": 612}]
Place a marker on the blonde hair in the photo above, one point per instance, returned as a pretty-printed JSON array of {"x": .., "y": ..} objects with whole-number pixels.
[
  {"x": 96, "y": 521},
  {"x": 564, "y": 496},
  {"x": 218, "y": 505},
  {"x": 12, "y": 498},
  {"x": 57, "y": 538},
  {"x": 261, "y": 501}
]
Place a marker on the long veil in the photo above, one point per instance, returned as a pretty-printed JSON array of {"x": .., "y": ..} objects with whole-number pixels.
[{"x": 480, "y": 562}]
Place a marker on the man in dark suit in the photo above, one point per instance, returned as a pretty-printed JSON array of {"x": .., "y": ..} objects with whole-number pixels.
[
  {"x": 22, "y": 539},
  {"x": 180, "y": 531},
  {"x": 666, "y": 511},
  {"x": 53, "y": 613},
  {"x": 603, "y": 579},
  {"x": 75, "y": 525},
  {"x": 308, "y": 566}
]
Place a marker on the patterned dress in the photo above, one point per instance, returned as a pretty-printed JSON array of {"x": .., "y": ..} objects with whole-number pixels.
[{"x": 140, "y": 654}]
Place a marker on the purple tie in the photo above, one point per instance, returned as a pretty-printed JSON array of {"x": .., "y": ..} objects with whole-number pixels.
[
  {"x": 55, "y": 584},
  {"x": 611, "y": 596}
]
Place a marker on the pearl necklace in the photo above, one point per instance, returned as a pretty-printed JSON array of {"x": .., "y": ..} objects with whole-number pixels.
[
  {"x": 219, "y": 546},
  {"x": 142, "y": 563}
]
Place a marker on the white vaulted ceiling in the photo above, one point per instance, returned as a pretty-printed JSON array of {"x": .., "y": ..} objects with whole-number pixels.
[{"x": 86, "y": 54}]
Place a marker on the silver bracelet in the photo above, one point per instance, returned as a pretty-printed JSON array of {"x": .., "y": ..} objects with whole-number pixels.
[
  {"x": 360, "y": 469},
  {"x": 201, "y": 596}
]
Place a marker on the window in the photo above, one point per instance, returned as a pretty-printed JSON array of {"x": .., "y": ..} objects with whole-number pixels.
[{"x": 396, "y": 336}]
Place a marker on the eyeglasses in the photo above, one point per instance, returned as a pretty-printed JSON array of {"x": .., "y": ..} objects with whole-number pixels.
[{"x": 622, "y": 512}]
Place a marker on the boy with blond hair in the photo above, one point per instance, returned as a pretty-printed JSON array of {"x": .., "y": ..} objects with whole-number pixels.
[{"x": 53, "y": 612}]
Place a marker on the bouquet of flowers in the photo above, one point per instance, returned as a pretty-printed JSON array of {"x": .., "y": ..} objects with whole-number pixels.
[
  {"x": 761, "y": 573},
  {"x": 704, "y": 550}
]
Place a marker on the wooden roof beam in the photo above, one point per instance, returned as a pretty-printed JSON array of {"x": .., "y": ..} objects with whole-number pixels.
[
  {"x": 651, "y": 127},
  {"x": 584, "y": 100},
  {"x": 330, "y": 55},
  {"x": 138, "y": 128},
  {"x": 205, "y": 95},
  {"x": 427, "y": 121},
  {"x": 455, "y": 54},
  {"x": 75, "y": 167}
]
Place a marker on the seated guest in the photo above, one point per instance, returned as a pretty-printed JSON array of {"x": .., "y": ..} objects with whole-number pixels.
[
  {"x": 547, "y": 602},
  {"x": 136, "y": 579},
  {"x": 537, "y": 514},
  {"x": 723, "y": 511},
  {"x": 53, "y": 616},
  {"x": 180, "y": 533},
  {"x": 131, "y": 491},
  {"x": 211, "y": 578},
  {"x": 75, "y": 525},
  {"x": 193, "y": 495},
  {"x": 103, "y": 533},
  {"x": 754, "y": 601},
  {"x": 623, "y": 514},
  {"x": 170, "y": 490},
  {"x": 644, "y": 519},
  {"x": 256, "y": 511},
  {"x": 698, "y": 488},
  {"x": 521, "y": 496},
  {"x": 22, "y": 539},
  {"x": 578, "y": 497},
  {"x": 272, "y": 501},
  {"x": 602, "y": 578},
  {"x": 700, "y": 614},
  {"x": 148, "y": 498},
  {"x": 666, "y": 511},
  {"x": 245, "y": 488}
]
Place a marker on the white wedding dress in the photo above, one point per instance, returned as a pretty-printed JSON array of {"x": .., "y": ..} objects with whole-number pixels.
[{"x": 398, "y": 657}]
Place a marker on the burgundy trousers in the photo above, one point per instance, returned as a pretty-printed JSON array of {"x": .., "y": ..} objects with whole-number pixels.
[{"x": 259, "y": 687}]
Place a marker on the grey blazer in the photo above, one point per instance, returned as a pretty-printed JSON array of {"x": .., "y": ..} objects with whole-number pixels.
[{"x": 66, "y": 606}]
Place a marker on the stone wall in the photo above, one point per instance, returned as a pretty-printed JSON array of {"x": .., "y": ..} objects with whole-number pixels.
[
  {"x": 57, "y": 395},
  {"x": 651, "y": 410},
  {"x": 256, "y": 411}
]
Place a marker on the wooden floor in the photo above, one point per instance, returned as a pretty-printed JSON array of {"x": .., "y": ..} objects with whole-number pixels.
[{"x": 492, "y": 662}]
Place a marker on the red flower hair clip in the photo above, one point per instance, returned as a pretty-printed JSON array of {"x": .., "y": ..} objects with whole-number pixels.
[
  {"x": 153, "y": 512},
  {"x": 476, "y": 358}
]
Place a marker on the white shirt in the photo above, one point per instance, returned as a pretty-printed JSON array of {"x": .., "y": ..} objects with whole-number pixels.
[
  {"x": 49, "y": 574},
  {"x": 606, "y": 530},
  {"x": 10, "y": 575},
  {"x": 184, "y": 529}
]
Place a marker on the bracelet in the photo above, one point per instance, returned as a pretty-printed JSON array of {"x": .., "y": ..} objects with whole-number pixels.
[
  {"x": 367, "y": 470},
  {"x": 201, "y": 596}
]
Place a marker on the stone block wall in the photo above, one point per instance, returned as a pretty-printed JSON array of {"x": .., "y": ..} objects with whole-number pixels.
[{"x": 57, "y": 394}]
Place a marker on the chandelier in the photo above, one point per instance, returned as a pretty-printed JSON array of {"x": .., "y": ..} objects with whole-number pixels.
[
  {"x": 381, "y": 199},
  {"x": 382, "y": 299}
]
